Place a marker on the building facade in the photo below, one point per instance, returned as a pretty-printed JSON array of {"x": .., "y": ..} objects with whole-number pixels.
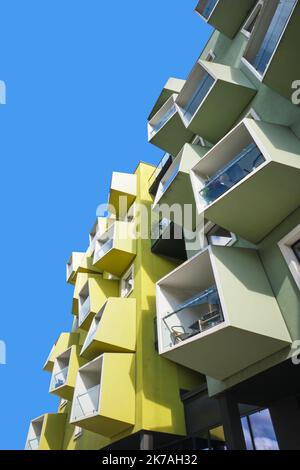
[{"x": 187, "y": 325}]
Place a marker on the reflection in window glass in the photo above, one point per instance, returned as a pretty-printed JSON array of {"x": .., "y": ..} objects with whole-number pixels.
[
  {"x": 259, "y": 432},
  {"x": 247, "y": 433}
]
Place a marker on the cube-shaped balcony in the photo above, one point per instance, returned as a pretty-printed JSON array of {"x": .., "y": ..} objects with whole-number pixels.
[
  {"x": 46, "y": 432},
  {"x": 72, "y": 266},
  {"x": 113, "y": 329},
  {"x": 100, "y": 226},
  {"x": 104, "y": 397},
  {"x": 91, "y": 291},
  {"x": 173, "y": 85},
  {"x": 217, "y": 314},
  {"x": 64, "y": 341},
  {"x": 64, "y": 373},
  {"x": 123, "y": 191},
  {"x": 250, "y": 181},
  {"x": 166, "y": 129},
  {"x": 273, "y": 45},
  {"x": 116, "y": 248},
  {"x": 213, "y": 98},
  {"x": 175, "y": 186},
  {"x": 167, "y": 239},
  {"x": 226, "y": 16}
]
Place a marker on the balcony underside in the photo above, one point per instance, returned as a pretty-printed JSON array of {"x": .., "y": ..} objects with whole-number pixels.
[
  {"x": 115, "y": 262},
  {"x": 65, "y": 392},
  {"x": 171, "y": 248},
  {"x": 102, "y": 425},
  {"x": 225, "y": 351},
  {"x": 172, "y": 136},
  {"x": 254, "y": 207}
]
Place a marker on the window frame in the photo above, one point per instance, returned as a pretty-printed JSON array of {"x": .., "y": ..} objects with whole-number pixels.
[
  {"x": 258, "y": 7},
  {"x": 286, "y": 247},
  {"x": 129, "y": 272}
]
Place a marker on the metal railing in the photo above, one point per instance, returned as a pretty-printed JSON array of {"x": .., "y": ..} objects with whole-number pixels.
[
  {"x": 228, "y": 176},
  {"x": 179, "y": 330},
  {"x": 87, "y": 404},
  {"x": 59, "y": 379}
]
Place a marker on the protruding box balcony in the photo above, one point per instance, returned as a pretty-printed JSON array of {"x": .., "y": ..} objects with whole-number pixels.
[
  {"x": 167, "y": 239},
  {"x": 217, "y": 314},
  {"x": 64, "y": 373},
  {"x": 227, "y": 16},
  {"x": 173, "y": 85},
  {"x": 273, "y": 47},
  {"x": 166, "y": 129},
  {"x": 64, "y": 341},
  {"x": 175, "y": 186},
  {"x": 104, "y": 396},
  {"x": 250, "y": 181},
  {"x": 159, "y": 172},
  {"x": 91, "y": 291},
  {"x": 116, "y": 248},
  {"x": 213, "y": 98},
  {"x": 46, "y": 432},
  {"x": 113, "y": 329},
  {"x": 99, "y": 227},
  {"x": 72, "y": 266},
  {"x": 123, "y": 191}
]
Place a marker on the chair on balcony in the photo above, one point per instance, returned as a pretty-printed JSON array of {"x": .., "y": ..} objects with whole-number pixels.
[{"x": 177, "y": 335}]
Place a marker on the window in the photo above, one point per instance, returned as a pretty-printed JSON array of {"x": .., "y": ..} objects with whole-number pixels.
[
  {"x": 259, "y": 432},
  {"x": 211, "y": 56},
  {"x": 127, "y": 282},
  {"x": 252, "y": 19},
  {"x": 290, "y": 249},
  {"x": 219, "y": 236},
  {"x": 77, "y": 432}
]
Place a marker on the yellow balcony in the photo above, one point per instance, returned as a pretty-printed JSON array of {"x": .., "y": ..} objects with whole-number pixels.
[
  {"x": 46, "y": 432},
  {"x": 72, "y": 266},
  {"x": 123, "y": 191},
  {"x": 100, "y": 226},
  {"x": 227, "y": 16},
  {"x": 250, "y": 181},
  {"x": 91, "y": 291},
  {"x": 217, "y": 313},
  {"x": 64, "y": 372},
  {"x": 113, "y": 329},
  {"x": 64, "y": 341},
  {"x": 116, "y": 249},
  {"x": 213, "y": 98},
  {"x": 104, "y": 396}
]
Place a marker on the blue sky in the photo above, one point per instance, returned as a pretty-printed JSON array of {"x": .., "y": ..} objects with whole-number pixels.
[{"x": 81, "y": 78}]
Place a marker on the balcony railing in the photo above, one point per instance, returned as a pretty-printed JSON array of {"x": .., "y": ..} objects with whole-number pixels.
[
  {"x": 91, "y": 334},
  {"x": 69, "y": 269},
  {"x": 182, "y": 328},
  {"x": 205, "y": 7},
  {"x": 198, "y": 96},
  {"x": 241, "y": 166},
  {"x": 59, "y": 379},
  {"x": 33, "y": 444},
  {"x": 87, "y": 404},
  {"x": 85, "y": 309},
  {"x": 162, "y": 121},
  {"x": 273, "y": 34},
  {"x": 159, "y": 172}
]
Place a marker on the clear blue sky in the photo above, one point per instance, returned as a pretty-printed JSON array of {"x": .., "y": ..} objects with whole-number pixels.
[{"x": 81, "y": 78}]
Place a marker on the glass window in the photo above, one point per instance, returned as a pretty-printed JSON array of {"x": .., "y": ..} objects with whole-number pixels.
[{"x": 259, "y": 432}]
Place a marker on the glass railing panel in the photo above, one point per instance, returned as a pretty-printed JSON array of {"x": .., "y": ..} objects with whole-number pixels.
[
  {"x": 205, "y": 7},
  {"x": 165, "y": 118},
  {"x": 33, "y": 444},
  {"x": 85, "y": 309},
  {"x": 180, "y": 325},
  {"x": 228, "y": 176},
  {"x": 166, "y": 184},
  {"x": 59, "y": 379},
  {"x": 91, "y": 335},
  {"x": 166, "y": 160},
  {"x": 87, "y": 404},
  {"x": 198, "y": 96},
  {"x": 273, "y": 34}
]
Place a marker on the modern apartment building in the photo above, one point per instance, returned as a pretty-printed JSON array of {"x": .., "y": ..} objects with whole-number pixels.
[{"x": 183, "y": 343}]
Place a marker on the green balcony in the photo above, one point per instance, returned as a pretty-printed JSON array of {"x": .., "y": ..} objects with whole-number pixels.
[
  {"x": 227, "y": 16},
  {"x": 166, "y": 129},
  {"x": 250, "y": 181},
  {"x": 217, "y": 314},
  {"x": 213, "y": 98},
  {"x": 173, "y": 85}
]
